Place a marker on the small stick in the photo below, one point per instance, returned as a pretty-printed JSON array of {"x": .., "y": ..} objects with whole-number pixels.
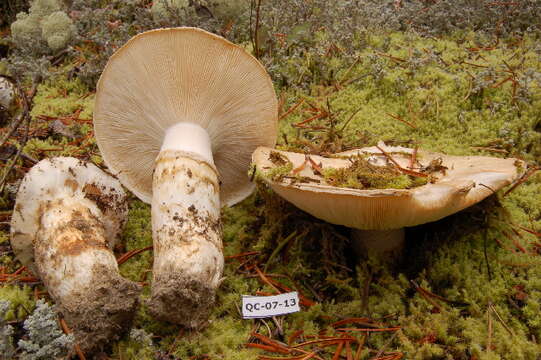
[
  {"x": 500, "y": 151},
  {"x": 349, "y": 354},
  {"x": 268, "y": 341}
]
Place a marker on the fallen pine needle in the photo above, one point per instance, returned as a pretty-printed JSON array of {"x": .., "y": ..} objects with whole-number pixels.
[
  {"x": 523, "y": 179},
  {"x": 369, "y": 330},
  {"x": 123, "y": 258},
  {"x": 66, "y": 330},
  {"x": 268, "y": 348}
]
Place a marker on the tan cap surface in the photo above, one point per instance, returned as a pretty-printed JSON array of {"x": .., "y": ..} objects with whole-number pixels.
[
  {"x": 162, "y": 77},
  {"x": 468, "y": 180}
]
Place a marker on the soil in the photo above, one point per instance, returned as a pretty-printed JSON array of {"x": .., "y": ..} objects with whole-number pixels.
[
  {"x": 103, "y": 312},
  {"x": 181, "y": 300}
]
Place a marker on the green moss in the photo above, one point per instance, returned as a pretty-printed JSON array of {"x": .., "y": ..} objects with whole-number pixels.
[
  {"x": 362, "y": 175},
  {"x": 446, "y": 257},
  {"x": 453, "y": 107},
  {"x": 60, "y": 97},
  {"x": 137, "y": 234},
  {"x": 21, "y": 301}
]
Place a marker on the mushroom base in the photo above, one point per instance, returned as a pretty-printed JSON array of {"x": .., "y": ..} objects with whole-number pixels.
[
  {"x": 382, "y": 243},
  {"x": 102, "y": 312},
  {"x": 81, "y": 275},
  {"x": 186, "y": 229},
  {"x": 182, "y": 300}
]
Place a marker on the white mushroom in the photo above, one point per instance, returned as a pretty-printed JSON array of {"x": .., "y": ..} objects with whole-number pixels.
[
  {"x": 378, "y": 216},
  {"x": 178, "y": 113},
  {"x": 67, "y": 218},
  {"x": 7, "y": 93}
]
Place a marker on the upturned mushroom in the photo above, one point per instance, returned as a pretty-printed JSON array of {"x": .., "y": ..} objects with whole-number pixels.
[
  {"x": 67, "y": 217},
  {"x": 398, "y": 187},
  {"x": 178, "y": 113}
]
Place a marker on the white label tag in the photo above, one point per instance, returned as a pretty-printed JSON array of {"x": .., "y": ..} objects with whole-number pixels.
[{"x": 255, "y": 307}]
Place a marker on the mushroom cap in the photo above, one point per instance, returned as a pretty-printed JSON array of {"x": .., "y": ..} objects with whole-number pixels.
[
  {"x": 166, "y": 76},
  {"x": 65, "y": 180},
  {"x": 468, "y": 180}
]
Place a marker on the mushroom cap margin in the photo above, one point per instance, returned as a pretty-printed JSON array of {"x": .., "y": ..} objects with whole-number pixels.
[{"x": 469, "y": 180}]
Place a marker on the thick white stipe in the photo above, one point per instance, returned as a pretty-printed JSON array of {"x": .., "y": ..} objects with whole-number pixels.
[
  {"x": 188, "y": 255},
  {"x": 190, "y": 138}
]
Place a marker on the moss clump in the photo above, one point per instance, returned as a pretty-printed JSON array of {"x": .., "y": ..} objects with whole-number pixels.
[
  {"x": 137, "y": 234},
  {"x": 139, "y": 345},
  {"x": 363, "y": 175},
  {"x": 282, "y": 167},
  {"x": 21, "y": 301},
  {"x": 45, "y": 22}
]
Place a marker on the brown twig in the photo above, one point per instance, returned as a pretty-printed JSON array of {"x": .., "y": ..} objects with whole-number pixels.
[{"x": 76, "y": 347}]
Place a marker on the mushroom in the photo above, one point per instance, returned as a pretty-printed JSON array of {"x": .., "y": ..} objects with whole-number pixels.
[
  {"x": 177, "y": 116},
  {"x": 67, "y": 218},
  {"x": 7, "y": 94},
  {"x": 378, "y": 215}
]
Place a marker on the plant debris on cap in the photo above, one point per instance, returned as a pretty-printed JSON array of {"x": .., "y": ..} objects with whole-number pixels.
[{"x": 438, "y": 184}]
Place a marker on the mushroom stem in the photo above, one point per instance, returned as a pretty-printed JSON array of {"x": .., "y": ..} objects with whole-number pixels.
[
  {"x": 382, "y": 243},
  {"x": 188, "y": 255},
  {"x": 73, "y": 259}
]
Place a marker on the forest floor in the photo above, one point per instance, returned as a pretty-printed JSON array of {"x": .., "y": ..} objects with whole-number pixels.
[{"x": 466, "y": 287}]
